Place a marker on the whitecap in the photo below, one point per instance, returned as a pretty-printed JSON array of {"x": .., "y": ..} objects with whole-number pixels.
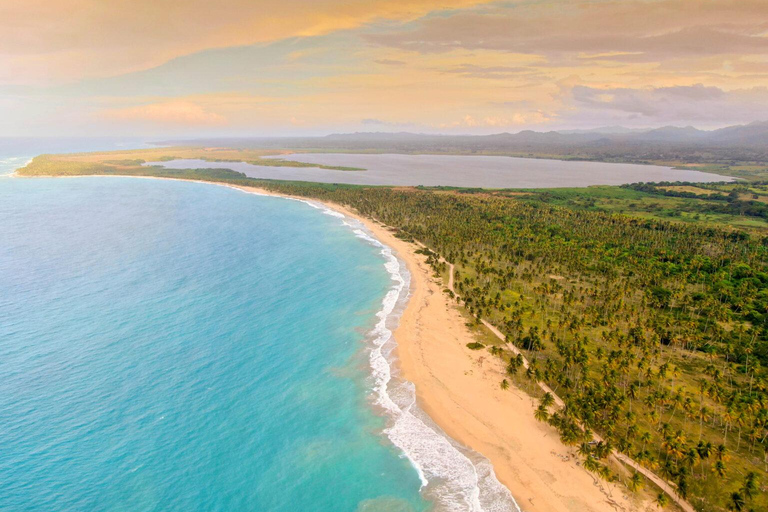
[{"x": 455, "y": 478}]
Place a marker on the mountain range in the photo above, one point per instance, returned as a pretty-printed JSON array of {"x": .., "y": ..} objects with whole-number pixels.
[{"x": 670, "y": 143}]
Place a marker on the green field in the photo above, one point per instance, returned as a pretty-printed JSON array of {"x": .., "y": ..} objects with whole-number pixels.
[{"x": 131, "y": 162}]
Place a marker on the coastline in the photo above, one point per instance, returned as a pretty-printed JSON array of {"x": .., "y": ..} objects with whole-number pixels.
[{"x": 459, "y": 390}]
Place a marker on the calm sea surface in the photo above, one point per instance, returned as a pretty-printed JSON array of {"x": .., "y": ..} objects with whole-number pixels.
[{"x": 458, "y": 171}]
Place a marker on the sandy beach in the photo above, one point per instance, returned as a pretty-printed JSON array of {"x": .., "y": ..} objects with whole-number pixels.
[{"x": 459, "y": 389}]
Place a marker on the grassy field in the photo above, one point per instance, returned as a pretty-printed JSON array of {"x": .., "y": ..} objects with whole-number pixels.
[
  {"x": 707, "y": 204},
  {"x": 130, "y": 161}
]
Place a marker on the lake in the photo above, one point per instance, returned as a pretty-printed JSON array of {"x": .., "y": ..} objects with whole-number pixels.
[{"x": 457, "y": 171}]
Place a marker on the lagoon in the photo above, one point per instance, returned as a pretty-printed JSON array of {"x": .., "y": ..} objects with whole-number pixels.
[{"x": 456, "y": 171}]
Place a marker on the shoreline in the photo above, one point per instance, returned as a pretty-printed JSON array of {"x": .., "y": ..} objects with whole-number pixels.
[{"x": 458, "y": 389}]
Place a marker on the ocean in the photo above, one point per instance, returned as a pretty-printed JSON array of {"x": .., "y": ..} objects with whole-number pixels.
[{"x": 181, "y": 346}]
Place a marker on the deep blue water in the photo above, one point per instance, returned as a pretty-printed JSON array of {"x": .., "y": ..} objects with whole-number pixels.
[{"x": 187, "y": 347}]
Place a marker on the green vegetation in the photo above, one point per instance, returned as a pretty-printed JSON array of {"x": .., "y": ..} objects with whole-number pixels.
[
  {"x": 743, "y": 199},
  {"x": 48, "y": 165},
  {"x": 738, "y": 205},
  {"x": 130, "y": 162},
  {"x": 737, "y": 168},
  {"x": 125, "y": 162},
  {"x": 279, "y": 162},
  {"x": 653, "y": 328}
]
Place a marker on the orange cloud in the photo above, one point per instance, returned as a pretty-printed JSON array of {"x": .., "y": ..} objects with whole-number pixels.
[
  {"x": 626, "y": 31},
  {"x": 506, "y": 64},
  {"x": 60, "y": 40}
]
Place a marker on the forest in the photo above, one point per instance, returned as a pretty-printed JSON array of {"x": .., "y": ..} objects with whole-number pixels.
[{"x": 654, "y": 332}]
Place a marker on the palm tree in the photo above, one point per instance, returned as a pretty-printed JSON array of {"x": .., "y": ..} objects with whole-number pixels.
[
  {"x": 719, "y": 468},
  {"x": 737, "y": 502},
  {"x": 504, "y": 384},
  {"x": 703, "y": 416},
  {"x": 691, "y": 456},
  {"x": 662, "y": 500},
  {"x": 541, "y": 413},
  {"x": 720, "y": 452},
  {"x": 635, "y": 482},
  {"x": 591, "y": 464},
  {"x": 530, "y": 372},
  {"x": 704, "y": 450},
  {"x": 547, "y": 400},
  {"x": 750, "y": 486},
  {"x": 645, "y": 437},
  {"x": 604, "y": 472}
]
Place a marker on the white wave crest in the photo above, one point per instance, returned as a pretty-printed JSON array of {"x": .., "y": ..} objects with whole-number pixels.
[
  {"x": 453, "y": 477},
  {"x": 448, "y": 474}
]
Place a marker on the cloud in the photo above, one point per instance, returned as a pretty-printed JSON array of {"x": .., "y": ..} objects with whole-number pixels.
[
  {"x": 389, "y": 62},
  {"x": 635, "y": 30},
  {"x": 52, "y": 41},
  {"x": 171, "y": 113},
  {"x": 694, "y": 104},
  {"x": 320, "y": 66},
  {"x": 498, "y": 122},
  {"x": 391, "y": 125},
  {"x": 493, "y": 72}
]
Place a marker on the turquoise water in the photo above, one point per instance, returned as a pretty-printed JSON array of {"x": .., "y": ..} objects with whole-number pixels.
[{"x": 180, "y": 346}]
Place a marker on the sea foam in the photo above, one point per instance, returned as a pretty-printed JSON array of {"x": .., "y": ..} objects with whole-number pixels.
[{"x": 455, "y": 478}]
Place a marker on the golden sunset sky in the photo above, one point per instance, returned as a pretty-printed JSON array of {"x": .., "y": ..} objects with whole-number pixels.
[{"x": 298, "y": 67}]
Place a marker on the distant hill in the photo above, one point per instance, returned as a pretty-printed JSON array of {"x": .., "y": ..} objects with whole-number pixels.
[
  {"x": 670, "y": 143},
  {"x": 607, "y": 129}
]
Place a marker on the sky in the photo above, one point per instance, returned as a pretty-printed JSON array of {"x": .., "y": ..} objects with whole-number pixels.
[{"x": 312, "y": 67}]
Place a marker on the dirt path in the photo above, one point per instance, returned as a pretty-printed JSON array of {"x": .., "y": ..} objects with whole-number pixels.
[{"x": 650, "y": 475}]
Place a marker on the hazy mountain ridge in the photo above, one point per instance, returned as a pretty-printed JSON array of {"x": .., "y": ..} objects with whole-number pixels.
[
  {"x": 753, "y": 133},
  {"x": 742, "y": 142}
]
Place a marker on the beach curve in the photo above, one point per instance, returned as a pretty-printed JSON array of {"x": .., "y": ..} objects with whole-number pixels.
[{"x": 458, "y": 390}]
